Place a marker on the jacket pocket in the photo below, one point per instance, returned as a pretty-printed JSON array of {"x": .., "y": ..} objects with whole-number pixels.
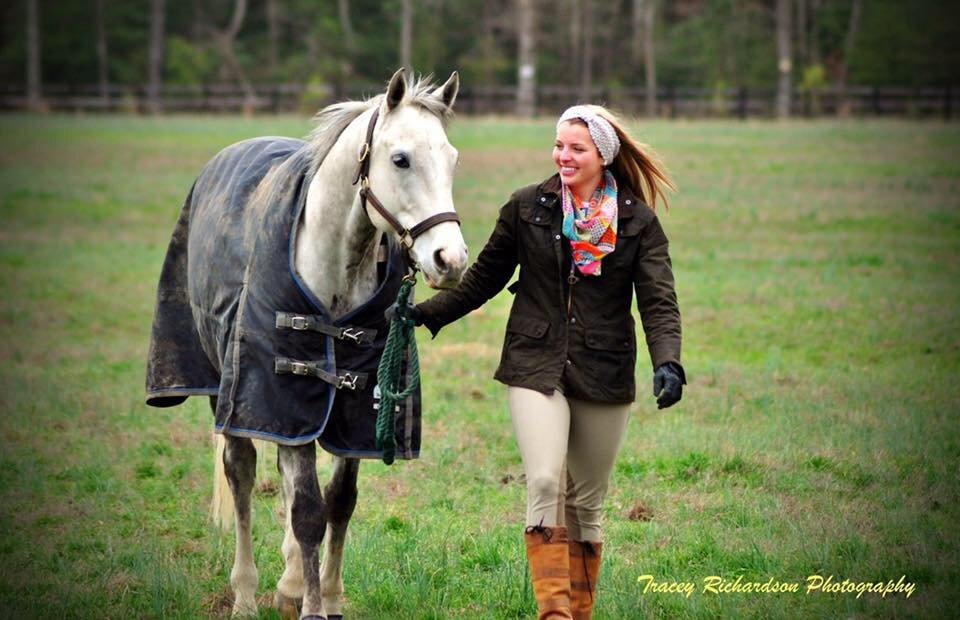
[
  {"x": 525, "y": 349},
  {"x": 528, "y": 326},
  {"x": 536, "y": 229},
  {"x": 612, "y": 357}
]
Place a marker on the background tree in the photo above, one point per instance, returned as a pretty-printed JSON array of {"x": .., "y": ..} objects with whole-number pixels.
[
  {"x": 102, "y": 63},
  {"x": 852, "y": 28},
  {"x": 406, "y": 36},
  {"x": 586, "y": 60},
  {"x": 34, "y": 95},
  {"x": 341, "y": 48},
  {"x": 526, "y": 59},
  {"x": 648, "y": 10},
  {"x": 224, "y": 41},
  {"x": 349, "y": 38},
  {"x": 155, "y": 64},
  {"x": 784, "y": 58},
  {"x": 273, "y": 35}
]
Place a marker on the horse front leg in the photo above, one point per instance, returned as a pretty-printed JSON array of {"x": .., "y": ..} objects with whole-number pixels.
[
  {"x": 341, "y": 496},
  {"x": 307, "y": 518},
  {"x": 240, "y": 467},
  {"x": 290, "y": 587}
]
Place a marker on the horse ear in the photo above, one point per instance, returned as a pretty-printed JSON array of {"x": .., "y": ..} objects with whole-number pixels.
[
  {"x": 448, "y": 92},
  {"x": 396, "y": 88}
]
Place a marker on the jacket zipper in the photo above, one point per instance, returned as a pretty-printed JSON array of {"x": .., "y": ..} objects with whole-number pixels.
[{"x": 571, "y": 280}]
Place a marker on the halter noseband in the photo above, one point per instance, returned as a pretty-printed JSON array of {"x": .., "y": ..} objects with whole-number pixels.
[{"x": 407, "y": 236}]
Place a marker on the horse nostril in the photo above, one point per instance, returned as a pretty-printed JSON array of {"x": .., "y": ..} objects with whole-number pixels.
[{"x": 439, "y": 262}]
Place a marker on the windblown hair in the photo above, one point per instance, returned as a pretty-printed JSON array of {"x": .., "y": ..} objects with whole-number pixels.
[
  {"x": 333, "y": 119},
  {"x": 637, "y": 164}
]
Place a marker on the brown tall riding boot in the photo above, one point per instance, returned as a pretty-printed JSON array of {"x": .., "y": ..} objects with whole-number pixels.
[
  {"x": 584, "y": 572},
  {"x": 550, "y": 570}
]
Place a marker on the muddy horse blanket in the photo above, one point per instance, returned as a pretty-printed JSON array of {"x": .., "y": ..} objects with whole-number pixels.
[{"x": 234, "y": 320}]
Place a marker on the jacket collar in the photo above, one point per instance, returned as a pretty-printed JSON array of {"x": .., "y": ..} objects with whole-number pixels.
[{"x": 548, "y": 193}]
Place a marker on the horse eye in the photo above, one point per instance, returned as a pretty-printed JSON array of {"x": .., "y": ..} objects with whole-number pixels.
[{"x": 400, "y": 161}]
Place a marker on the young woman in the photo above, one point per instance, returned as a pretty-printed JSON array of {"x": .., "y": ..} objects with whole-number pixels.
[{"x": 585, "y": 239}]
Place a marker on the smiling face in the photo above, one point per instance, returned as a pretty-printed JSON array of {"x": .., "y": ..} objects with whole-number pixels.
[{"x": 577, "y": 158}]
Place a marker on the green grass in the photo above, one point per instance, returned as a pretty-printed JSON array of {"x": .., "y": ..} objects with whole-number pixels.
[{"x": 817, "y": 268}]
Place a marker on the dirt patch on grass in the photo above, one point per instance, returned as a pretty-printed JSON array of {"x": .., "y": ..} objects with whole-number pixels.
[
  {"x": 219, "y": 604},
  {"x": 640, "y": 512}
]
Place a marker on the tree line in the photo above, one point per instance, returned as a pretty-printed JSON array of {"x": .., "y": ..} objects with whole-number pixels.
[{"x": 348, "y": 45}]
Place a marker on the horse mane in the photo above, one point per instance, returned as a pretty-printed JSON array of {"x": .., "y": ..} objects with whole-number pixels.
[{"x": 333, "y": 119}]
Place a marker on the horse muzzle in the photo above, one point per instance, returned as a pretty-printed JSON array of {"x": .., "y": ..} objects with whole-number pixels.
[{"x": 445, "y": 266}]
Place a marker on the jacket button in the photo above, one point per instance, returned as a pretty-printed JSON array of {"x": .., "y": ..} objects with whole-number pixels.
[
  {"x": 569, "y": 362},
  {"x": 573, "y": 319},
  {"x": 628, "y": 201},
  {"x": 537, "y": 218},
  {"x": 543, "y": 198},
  {"x": 557, "y": 237}
]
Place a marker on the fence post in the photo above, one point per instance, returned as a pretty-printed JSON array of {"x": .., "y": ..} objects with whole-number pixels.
[
  {"x": 875, "y": 97},
  {"x": 947, "y": 103},
  {"x": 742, "y": 103}
]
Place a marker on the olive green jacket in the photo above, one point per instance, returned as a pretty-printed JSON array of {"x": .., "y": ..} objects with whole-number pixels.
[{"x": 579, "y": 337}]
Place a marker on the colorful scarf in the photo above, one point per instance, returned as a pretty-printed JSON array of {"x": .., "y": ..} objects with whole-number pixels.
[{"x": 591, "y": 228}]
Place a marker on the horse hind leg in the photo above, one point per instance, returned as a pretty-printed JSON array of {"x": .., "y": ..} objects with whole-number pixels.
[
  {"x": 341, "y": 497},
  {"x": 307, "y": 518},
  {"x": 240, "y": 467}
]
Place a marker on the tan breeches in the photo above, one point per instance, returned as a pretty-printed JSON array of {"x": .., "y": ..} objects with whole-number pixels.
[{"x": 568, "y": 448}]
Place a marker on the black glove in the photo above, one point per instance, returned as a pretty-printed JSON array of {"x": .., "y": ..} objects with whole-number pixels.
[
  {"x": 411, "y": 313},
  {"x": 668, "y": 382}
]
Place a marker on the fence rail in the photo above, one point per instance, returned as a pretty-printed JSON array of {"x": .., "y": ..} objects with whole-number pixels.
[{"x": 671, "y": 102}]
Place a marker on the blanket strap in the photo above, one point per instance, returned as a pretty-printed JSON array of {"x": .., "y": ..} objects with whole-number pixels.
[
  {"x": 348, "y": 380},
  {"x": 314, "y": 323}
]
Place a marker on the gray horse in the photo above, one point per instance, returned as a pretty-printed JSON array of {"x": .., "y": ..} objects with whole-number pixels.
[{"x": 271, "y": 302}]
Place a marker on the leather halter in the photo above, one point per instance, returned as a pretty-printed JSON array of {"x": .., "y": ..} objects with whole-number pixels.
[{"x": 407, "y": 236}]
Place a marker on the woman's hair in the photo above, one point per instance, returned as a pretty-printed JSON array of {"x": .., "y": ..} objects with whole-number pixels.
[{"x": 636, "y": 164}]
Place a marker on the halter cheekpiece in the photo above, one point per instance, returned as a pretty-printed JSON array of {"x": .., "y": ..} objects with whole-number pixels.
[{"x": 407, "y": 236}]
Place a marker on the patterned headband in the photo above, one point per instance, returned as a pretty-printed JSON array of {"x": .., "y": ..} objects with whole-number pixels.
[{"x": 600, "y": 128}]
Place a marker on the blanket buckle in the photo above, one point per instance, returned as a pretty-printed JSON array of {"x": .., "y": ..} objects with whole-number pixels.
[
  {"x": 347, "y": 381},
  {"x": 299, "y": 368},
  {"x": 299, "y": 323},
  {"x": 351, "y": 333}
]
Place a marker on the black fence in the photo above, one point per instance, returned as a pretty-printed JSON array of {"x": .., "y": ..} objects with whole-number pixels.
[{"x": 935, "y": 102}]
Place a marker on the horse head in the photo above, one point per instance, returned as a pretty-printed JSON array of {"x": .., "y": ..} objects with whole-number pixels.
[{"x": 411, "y": 168}]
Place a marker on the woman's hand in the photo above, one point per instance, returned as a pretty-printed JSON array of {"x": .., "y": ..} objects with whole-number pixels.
[
  {"x": 668, "y": 381},
  {"x": 411, "y": 313}
]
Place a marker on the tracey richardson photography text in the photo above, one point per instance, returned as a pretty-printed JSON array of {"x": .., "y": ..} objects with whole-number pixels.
[{"x": 815, "y": 584}]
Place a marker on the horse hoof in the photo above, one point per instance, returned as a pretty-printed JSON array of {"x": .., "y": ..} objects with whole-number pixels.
[
  {"x": 244, "y": 610},
  {"x": 289, "y": 608}
]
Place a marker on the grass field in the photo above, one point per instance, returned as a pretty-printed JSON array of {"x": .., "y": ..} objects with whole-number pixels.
[{"x": 818, "y": 272}]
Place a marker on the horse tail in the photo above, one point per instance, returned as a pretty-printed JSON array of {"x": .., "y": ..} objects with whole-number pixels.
[{"x": 221, "y": 508}]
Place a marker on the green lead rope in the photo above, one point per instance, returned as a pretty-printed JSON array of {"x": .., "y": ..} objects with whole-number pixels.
[{"x": 389, "y": 376}]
